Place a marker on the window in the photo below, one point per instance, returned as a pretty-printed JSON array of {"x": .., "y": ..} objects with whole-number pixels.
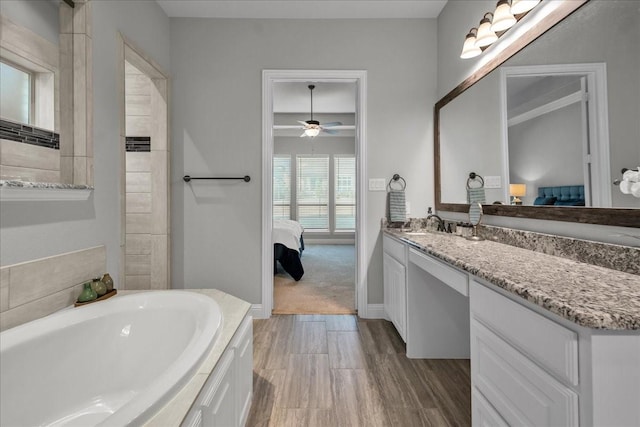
[
  {"x": 16, "y": 94},
  {"x": 345, "y": 193},
  {"x": 282, "y": 187},
  {"x": 312, "y": 184}
]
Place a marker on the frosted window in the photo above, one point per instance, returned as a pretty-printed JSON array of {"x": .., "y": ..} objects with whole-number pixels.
[{"x": 15, "y": 94}]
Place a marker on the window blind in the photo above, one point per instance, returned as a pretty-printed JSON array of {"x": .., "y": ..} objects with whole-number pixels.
[
  {"x": 282, "y": 187},
  {"x": 345, "y": 192},
  {"x": 312, "y": 186}
]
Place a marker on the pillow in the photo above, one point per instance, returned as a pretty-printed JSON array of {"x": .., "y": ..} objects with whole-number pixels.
[{"x": 544, "y": 201}]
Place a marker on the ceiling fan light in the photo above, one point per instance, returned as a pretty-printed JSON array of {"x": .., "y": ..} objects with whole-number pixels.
[
  {"x": 312, "y": 132},
  {"x": 522, "y": 6},
  {"x": 469, "y": 49},
  {"x": 502, "y": 17},
  {"x": 485, "y": 35}
]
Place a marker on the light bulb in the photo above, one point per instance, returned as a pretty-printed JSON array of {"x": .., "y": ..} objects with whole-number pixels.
[
  {"x": 312, "y": 132},
  {"x": 502, "y": 17},
  {"x": 469, "y": 49},
  {"x": 485, "y": 36},
  {"x": 522, "y": 6}
]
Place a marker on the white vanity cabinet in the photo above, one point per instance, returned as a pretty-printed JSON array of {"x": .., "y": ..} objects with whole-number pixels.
[
  {"x": 395, "y": 283},
  {"x": 225, "y": 398}
]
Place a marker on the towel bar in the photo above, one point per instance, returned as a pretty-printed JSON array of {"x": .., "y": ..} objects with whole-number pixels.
[{"x": 245, "y": 178}]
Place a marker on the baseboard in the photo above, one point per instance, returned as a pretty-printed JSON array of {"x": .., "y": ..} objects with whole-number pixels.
[
  {"x": 374, "y": 311},
  {"x": 257, "y": 311}
]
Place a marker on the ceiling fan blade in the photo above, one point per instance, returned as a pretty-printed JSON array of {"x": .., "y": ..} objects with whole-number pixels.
[
  {"x": 304, "y": 134},
  {"x": 331, "y": 131},
  {"x": 331, "y": 124},
  {"x": 302, "y": 123},
  {"x": 343, "y": 127}
]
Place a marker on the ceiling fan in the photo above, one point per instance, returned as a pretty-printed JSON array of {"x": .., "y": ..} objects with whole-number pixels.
[{"x": 312, "y": 128}]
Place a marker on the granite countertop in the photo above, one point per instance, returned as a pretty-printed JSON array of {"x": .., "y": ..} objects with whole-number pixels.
[
  {"x": 233, "y": 312},
  {"x": 591, "y": 296}
]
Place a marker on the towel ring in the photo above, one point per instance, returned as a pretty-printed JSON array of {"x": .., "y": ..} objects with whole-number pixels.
[
  {"x": 397, "y": 178},
  {"x": 474, "y": 177}
]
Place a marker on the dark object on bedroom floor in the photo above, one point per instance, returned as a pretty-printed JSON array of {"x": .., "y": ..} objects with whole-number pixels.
[{"x": 289, "y": 260}]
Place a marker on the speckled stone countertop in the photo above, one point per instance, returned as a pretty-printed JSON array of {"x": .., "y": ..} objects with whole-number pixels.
[
  {"x": 591, "y": 296},
  {"x": 41, "y": 185}
]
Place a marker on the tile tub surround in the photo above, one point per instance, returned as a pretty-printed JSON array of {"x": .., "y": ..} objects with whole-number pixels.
[
  {"x": 34, "y": 289},
  {"x": 234, "y": 311},
  {"x": 616, "y": 257},
  {"x": 588, "y": 295}
]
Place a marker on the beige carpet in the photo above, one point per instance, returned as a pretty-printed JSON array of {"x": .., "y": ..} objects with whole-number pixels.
[{"x": 327, "y": 287}]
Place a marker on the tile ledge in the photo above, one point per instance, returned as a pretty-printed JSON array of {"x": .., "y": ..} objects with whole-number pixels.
[{"x": 42, "y": 191}]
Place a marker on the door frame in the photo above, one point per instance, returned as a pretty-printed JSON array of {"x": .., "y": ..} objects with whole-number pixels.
[
  {"x": 160, "y": 162},
  {"x": 597, "y": 120},
  {"x": 269, "y": 77}
]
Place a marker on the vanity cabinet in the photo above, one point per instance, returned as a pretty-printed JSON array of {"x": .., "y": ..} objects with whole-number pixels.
[
  {"x": 225, "y": 398},
  {"x": 395, "y": 283}
]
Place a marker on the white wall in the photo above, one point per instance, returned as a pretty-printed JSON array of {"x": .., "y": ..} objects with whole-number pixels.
[
  {"x": 217, "y": 66},
  {"x": 460, "y": 15},
  {"x": 31, "y": 230},
  {"x": 41, "y": 17}
]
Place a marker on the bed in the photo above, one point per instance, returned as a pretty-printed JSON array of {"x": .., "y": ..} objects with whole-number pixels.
[
  {"x": 564, "y": 195},
  {"x": 288, "y": 245}
]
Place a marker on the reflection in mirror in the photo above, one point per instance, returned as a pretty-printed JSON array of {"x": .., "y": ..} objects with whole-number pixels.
[
  {"x": 45, "y": 128},
  {"x": 475, "y": 216},
  {"x": 514, "y": 128}
]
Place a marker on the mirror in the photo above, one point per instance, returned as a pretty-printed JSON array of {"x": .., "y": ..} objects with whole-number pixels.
[
  {"x": 45, "y": 128},
  {"x": 516, "y": 124}
]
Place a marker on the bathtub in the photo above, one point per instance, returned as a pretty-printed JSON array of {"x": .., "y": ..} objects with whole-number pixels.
[{"x": 111, "y": 363}]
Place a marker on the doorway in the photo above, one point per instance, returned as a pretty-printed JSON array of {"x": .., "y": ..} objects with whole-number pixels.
[
  {"x": 304, "y": 78},
  {"x": 144, "y": 190}
]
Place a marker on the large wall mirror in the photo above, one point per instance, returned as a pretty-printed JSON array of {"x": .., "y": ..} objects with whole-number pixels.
[
  {"x": 551, "y": 128},
  {"x": 45, "y": 105}
]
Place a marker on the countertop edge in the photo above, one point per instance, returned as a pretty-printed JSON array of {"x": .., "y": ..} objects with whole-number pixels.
[{"x": 588, "y": 319}]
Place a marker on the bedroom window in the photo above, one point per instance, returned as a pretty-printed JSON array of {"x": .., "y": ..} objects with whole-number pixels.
[
  {"x": 282, "y": 187},
  {"x": 312, "y": 184},
  {"x": 345, "y": 193}
]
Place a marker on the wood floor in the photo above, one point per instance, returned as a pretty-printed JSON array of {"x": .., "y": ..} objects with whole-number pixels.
[{"x": 338, "y": 370}]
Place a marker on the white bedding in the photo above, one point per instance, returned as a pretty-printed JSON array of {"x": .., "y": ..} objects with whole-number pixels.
[{"x": 288, "y": 233}]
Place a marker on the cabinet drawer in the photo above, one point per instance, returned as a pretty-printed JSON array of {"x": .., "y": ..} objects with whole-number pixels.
[
  {"x": 456, "y": 279},
  {"x": 482, "y": 413},
  {"x": 395, "y": 249},
  {"x": 521, "y": 392},
  {"x": 552, "y": 346}
]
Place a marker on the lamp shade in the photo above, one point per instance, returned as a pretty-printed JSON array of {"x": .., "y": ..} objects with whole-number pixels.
[
  {"x": 502, "y": 17},
  {"x": 518, "y": 190},
  {"x": 485, "y": 35},
  {"x": 522, "y": 6},
  {"x": 469, "y": 49}
]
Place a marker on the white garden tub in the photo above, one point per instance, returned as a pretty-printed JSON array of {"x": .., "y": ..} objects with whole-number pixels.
[{"x": 112, "y": 363}]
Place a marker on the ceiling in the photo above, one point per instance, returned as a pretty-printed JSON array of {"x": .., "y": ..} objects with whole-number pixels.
[
  {"x": 302, "y": 9},
  {"x": 294, "y": 97}
]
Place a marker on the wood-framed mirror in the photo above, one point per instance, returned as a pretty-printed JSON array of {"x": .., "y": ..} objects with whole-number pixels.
[{"x": 479, "y": 109}]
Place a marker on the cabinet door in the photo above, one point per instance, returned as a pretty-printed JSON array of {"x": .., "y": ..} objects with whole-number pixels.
[
  {"x": 521, "y": 392},
  {"x": 395, "y": 293},
  {"x": 482, "y": 413},
  {"x": 219, "y": 403},
  {"x": 243, "y": 347}
]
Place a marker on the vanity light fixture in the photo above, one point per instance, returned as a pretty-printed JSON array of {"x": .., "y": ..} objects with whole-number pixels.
[
  {"x": 522, "y": 6},
  {"x": 485, "y": 36},
  {"x": 469, "y": 49},
  {"x": 516, "y": 191},
  {"x": 503, "y": 19},
  {"x": 505, "y": 16}
]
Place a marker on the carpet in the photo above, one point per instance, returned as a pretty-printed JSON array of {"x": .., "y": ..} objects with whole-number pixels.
[{"x": 327, "y": 287}]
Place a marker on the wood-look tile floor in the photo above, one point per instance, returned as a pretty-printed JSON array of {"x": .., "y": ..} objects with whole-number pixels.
[{"x": 338, "y": 370}]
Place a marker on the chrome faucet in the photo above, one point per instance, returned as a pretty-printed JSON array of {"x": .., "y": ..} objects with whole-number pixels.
[{"x": 440, "y": 221}]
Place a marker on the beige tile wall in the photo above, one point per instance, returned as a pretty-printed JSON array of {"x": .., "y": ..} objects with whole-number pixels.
[
  {"x": 138, "y": 187},
  {"x": 28, "y": 162},
  {"x": 34, "y": 289}
]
